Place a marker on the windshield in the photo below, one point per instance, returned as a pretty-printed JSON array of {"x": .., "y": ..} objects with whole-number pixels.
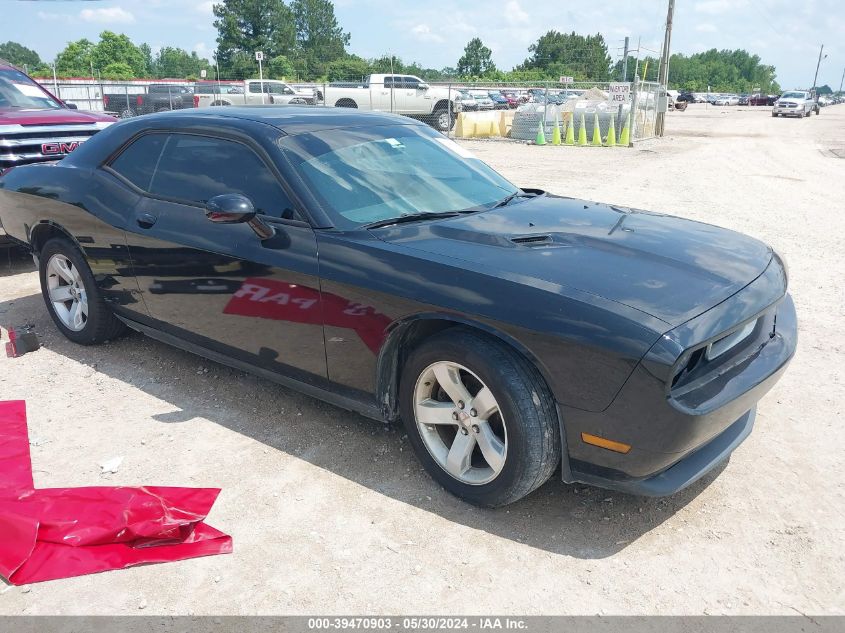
[
  {"x": 19, "y": 91},
  {"x": 792, "y": 95},
  {"x": 367, "y": 175}
]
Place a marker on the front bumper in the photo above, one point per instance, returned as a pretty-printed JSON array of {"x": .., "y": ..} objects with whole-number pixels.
[
  {"x": 678, "y": 431},
  {"x": 796, "y": 111}
]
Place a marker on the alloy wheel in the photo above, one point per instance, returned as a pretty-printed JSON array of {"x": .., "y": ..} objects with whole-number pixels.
[
  {"x": 460, "y": 423},
  {"x": 67, "y": 292}
]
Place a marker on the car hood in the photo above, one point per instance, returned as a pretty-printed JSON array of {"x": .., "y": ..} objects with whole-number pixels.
[
  {"x": 670, "y": 268},
  {"x": 58, "y": 116},
  {"x": 791, "y": 100}
]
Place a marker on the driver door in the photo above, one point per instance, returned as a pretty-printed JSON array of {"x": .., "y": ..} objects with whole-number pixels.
[{"x": 220, "y": 286}]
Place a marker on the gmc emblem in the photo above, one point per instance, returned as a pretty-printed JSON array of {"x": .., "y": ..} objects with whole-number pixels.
[{"x": 54, "y": 149}]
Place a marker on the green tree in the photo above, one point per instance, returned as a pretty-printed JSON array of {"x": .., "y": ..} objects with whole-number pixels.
[
  {"x": 280, "y": 67},
  {"x": 825, "y": 90},
  {"x": 178, "y": 63},
  {"x": 477, "y": 60},
  {"x": 75, "y": 59},
  {"x": 114, "y": 48},
  {"x": 319, "y": 38},
  {"x": 19, "y": 55},
  {"x": 118, "y": 70},
  {"x": 350, "y": 68},
  {"x": 246, "y": 26},
  {"x": 579, "y": 56}
]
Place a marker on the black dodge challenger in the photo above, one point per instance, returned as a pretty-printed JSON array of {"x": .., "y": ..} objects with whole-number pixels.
[{"x": 367, "y": 260}]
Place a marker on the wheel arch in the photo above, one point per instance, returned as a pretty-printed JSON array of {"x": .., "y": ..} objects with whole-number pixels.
[
  {"x": 406, "y": 335},
  {"x": 46, "y": 230}
]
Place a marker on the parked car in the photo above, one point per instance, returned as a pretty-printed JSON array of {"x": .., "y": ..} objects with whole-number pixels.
[
  {"x": 402, "y": 94},
  {"x": 512, "y": 98},
  {"x": 687, "y": 97},
  {"x": 726, "y": 100},
  {"x": 499, "y": 101},
  {"x": 255, "y": 92},
  {"x": 367, "y": 260},
  {"x": 795, "y": 103},
  {"x": 743, "y": 99},
  {"x": 762, "y": 100},
  {"x": 156, "y": 98},
  {"x": 468, "y": 104},
  {"x": 36, "y": 127},
  {"x": 483, "y": 100}
]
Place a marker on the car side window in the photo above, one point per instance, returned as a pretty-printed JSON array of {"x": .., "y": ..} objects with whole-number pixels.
[
  {"x": 388, "y": 82},
  {"x": 137, "y": 163},
  {"x": 411, "y": 82},
  {"x": 255, "y": 88},
  {"x": 197, "y": 168}
]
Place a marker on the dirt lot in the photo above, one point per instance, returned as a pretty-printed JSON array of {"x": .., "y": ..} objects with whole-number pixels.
[{"x": 331, "y": 513}]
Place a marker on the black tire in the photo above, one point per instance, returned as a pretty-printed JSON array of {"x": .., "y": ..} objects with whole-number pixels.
[
  {"x": 346, "y": 103},
  {"x": 533, "y": 433},
  {"x": 442, "y": 122},
  {"x": 101, "y": 324},
  {"x": 775, "y": 114}
]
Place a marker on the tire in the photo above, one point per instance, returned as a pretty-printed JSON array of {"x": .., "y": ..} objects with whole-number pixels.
[
  {"x": 99, "y": 324},
  {"x": 346, "y": 103},
  {"x": 442, "y": 121},
  {"x": 775, "y": 114},
  {"x": 522, "y": 432}
]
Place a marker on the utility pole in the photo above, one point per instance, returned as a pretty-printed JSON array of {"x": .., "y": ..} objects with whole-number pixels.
[
  {"x": 841, "y": 81},
  {"x": 816, "y": 78},
  {"x": 625, "y": 61},
  {"x": 663, "y": 75}
]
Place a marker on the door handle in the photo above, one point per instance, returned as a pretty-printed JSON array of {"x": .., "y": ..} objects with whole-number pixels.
[{"x": 146, "y": 220}]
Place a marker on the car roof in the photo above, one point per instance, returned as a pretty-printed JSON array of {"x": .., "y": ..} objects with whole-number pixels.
[{"x": 290, "y": 119}]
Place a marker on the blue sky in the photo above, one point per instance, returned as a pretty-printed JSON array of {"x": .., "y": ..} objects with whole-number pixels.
[{"x": 785, "y": 33}]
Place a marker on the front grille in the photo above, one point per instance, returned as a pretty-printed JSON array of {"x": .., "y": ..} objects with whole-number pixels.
[{"x": 22, "y": 144}]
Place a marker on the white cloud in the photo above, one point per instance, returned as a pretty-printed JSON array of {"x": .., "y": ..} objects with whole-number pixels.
[
  {"x": 515, "y": 13},
  {"x": 205, "y": 7},
  {"x": 423, "y": 33},
  {"x": 705, "y": 27},
  {"x": 202, "y": 49},
  {"x": 108, "y": 15}
]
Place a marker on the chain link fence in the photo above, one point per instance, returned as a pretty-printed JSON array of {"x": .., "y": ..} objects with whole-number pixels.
[{"x": 508, "y": 110}]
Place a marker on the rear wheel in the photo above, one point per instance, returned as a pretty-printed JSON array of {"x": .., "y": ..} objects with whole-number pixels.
[
  {"x": 346, "y": 103},
  {"x": 480, "y": 418},
  {"x": 72, "y": 296}
]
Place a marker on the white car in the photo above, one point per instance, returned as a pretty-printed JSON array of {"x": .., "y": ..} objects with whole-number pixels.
[
  {"x": 797, "y": 103},
  {"x": 727, "y": 100},
  {"x": 483, "y": 100}
]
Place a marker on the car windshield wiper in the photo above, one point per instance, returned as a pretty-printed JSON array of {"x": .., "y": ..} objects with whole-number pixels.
[
  {"x": 411, "y": 217},
  {"x": 506, "y": 201}
]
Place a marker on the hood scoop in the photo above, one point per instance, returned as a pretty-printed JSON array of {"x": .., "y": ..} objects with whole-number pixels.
[{"x": 533, "y": 241}]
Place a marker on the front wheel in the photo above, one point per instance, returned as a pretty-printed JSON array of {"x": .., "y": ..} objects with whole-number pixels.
[
  {"x": 72, "y": 297},
  {"x": 479, "y": 417},
  {"x": 443, "y": 120}
]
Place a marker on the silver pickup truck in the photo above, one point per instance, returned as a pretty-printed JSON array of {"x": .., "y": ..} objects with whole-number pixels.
[{"x": 797, "y": 103}]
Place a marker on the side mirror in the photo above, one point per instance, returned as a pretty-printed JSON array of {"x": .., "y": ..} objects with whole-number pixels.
[
  {"x": 235, "y": 208},
  {"x": 229, "y": 208},
  {"x": 423, "y": 86},
  {"x": 71, "y": 106}
]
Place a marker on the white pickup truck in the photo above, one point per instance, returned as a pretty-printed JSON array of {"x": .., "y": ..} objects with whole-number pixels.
[
  {"x": 403, "y": 94},
  {"x": 251, "y": 92}
]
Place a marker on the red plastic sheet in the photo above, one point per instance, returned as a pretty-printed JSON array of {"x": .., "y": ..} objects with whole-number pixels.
[{"x": 55, "y": 533}]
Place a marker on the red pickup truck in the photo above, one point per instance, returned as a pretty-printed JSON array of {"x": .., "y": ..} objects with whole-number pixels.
[{"x": 36, "y": 126}]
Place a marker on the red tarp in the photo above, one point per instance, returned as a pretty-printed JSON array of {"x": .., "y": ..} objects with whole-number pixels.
[{"x": 62, "y": 532}]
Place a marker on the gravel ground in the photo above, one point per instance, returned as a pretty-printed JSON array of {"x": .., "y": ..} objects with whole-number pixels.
[{"x": 331, "y": 513}]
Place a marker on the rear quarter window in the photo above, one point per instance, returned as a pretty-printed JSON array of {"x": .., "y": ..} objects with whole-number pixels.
[{"x": 137, "y": 163}]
